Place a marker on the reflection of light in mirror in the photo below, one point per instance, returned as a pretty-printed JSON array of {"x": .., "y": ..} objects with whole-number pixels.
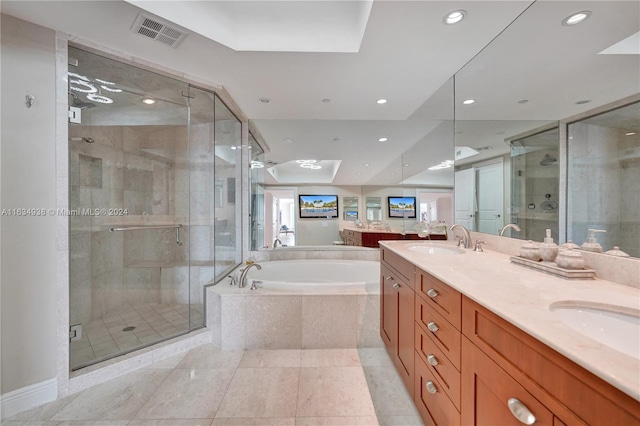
[
  {"x": 444, "y": 165},
  {"x": 81, "y": 77},
  {"x": 305, "y": 161},
  {"x": 82, "y": 86},
  {"x": 111, "y": 89}
]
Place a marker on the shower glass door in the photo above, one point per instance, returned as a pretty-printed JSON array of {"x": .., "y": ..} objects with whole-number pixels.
[{"x": 129, "y": 194}]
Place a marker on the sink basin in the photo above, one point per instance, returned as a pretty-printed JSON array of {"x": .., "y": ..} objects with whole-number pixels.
[
  {"x": 435, "y": 249},
  {"x": 616, "y": 327}
]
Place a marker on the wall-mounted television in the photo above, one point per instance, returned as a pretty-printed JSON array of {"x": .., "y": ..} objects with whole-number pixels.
[
  {"x": 318, "y": 206},
  {"x": 402, "y": 207}
]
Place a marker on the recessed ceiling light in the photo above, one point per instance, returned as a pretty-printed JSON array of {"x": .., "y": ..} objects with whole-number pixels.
[
  {"x": 500, "y": 133},
  {"x": 265, "y": 100},
  {"x": 149, "y": 101},
  {"x": 326, "y": 100},
  {"x": 468, "y": 101},
  {"x": 454, "y": 17},
  {"x": 523, "y": 101},
  {"x": 336, "y": 139},
  {"x": 383, "y": 139},
  {"x": 393, "y": 173},
  {"x": 381, "y": 101},
  {"x": 358, "y": 174},
  {"x": 576, "y": 18},
  {"x": 630, "y": 134},
  {"x": 287, "y": 140},
  {"x": 406, "y": 165},
  {"x": 367, "y": 164},
  {"x": 584, "y": 101}
]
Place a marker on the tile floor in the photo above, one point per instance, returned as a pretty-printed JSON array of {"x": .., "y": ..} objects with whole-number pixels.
[
  {"x": 207, "y": 386},
  {"x": 103, "y": 337}
]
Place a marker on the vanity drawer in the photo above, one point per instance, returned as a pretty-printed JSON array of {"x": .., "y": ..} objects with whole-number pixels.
[
  {"x": 434, "y": 405},
  {"x": 444, "y": 371},
  {"x": 444, "y": 299},
  {"x": 404, "y": 267},
  {"x": 442, "y": 333}
]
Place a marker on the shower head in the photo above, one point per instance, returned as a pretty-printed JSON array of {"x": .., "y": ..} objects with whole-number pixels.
[
  {"x": 77, "y": 103},
  {"x": 548, "y": 160}
]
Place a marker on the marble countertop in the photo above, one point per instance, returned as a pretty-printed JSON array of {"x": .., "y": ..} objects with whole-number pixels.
[{"x": 523, "y": 297}]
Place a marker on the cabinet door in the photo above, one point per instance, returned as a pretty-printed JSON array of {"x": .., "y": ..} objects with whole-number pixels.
[
  {"x": 388, "y": 308},
  {"x": 491, "y": 397},
  {"x": 405, "y": 352}
]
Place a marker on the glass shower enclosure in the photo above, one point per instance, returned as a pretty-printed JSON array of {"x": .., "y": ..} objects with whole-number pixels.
[{"x": 153, "y": 173}]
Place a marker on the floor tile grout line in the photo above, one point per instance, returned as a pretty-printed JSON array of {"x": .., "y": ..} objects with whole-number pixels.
[
  {"x": 152, "y": 393},
  {"x": 228, "y": 386}
]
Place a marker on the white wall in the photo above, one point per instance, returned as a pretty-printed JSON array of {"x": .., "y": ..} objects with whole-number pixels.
[{"x": 28, "y": 244}]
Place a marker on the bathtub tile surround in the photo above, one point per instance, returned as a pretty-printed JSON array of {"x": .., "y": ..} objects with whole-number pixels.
[{"x": 299, "y": 314}]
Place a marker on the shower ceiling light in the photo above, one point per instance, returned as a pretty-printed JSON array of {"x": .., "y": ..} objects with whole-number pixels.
[
  {"x": 99, "y": 98},
  {"x": 468, "y": 101},
  {"x": 383, "y": 139},
  {"x": 110, "y": 89},
  {"x": 148, "y": 101},
  {"x": 576, "y": 18},
  {"x": 381, "y": 101},
  {"x": 82, "y": 86},
  {"x": 454, "y": 17}
]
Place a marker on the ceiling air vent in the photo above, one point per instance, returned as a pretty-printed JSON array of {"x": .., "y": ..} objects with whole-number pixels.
[{"x": 158, "y": 30}]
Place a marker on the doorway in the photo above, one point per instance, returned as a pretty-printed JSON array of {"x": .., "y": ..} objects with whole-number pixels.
[{"x": 281, "y": 215}]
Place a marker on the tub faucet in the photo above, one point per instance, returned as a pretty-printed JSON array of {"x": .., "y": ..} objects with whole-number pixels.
[
  {"x": 275, "y": 243},
  {"x": 510, "y": 225},
  {"x": 243, "y": 276},
  {"x": 466, "y": 239}
]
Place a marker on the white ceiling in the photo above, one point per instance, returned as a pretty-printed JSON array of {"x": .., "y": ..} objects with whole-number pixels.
[{"x": 406, "y": 55}]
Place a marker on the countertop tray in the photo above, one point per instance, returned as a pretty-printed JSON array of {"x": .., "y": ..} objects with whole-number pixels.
[{"x": 553, "y": 269}]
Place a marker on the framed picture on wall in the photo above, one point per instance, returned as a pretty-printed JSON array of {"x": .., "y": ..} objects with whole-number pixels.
[
  {"x": 402, "y": 207},
  {"x": 318, "y": 206}
]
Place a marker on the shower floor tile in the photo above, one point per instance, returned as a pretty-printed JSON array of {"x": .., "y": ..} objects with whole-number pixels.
[{"x": 152, "y": 322}]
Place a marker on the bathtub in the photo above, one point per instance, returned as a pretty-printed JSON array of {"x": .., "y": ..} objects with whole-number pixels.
[
  {"x": 316, "y": 275},
  {"x": 300, "y": 304}
]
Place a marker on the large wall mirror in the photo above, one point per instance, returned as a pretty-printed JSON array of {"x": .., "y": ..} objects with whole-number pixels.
[
  {"x": 534, "y": 104},
  {"x": 347, "y": 159}
]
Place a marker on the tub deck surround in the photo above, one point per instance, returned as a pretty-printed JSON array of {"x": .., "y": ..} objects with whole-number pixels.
[
  {"x": 523, "y": 297},
  {"x": 298, "y": 314}
]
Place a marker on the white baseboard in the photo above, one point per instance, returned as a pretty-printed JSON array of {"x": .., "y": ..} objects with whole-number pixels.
[{"x": 28, "y": 397}]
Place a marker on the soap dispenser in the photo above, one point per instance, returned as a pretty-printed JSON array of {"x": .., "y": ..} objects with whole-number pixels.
[
  {"x": 616, "y": 252},
  {"x": 548, "y": 250},
  {"x": 592, "y": 244}
]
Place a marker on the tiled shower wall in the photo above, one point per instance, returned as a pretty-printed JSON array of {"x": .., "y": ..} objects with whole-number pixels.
[
  {"x": 143, "y": 169},
  {"x": 604, "y": 188}
]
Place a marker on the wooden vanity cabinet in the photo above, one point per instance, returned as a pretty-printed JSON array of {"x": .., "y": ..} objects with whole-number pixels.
[
  {"x": 467, "y": 368},
  {"x": 397, "y": 312},
  {"x": 571, "y": 393}
]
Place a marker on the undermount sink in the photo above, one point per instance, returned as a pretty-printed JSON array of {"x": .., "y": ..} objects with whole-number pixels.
[
  {"x": 613, "y": 326},
  {"x": 435, "y": 249}
]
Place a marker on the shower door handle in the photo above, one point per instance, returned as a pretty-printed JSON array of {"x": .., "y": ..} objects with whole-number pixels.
[{"x": 139, "y": 228}]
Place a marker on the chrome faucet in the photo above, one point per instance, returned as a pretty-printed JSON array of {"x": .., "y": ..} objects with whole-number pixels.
[
  {"x": 275, "y": 243},
  {"x": 466, "y": 239},
  {"x": 509, "y": 225},
  {"x": 243, "y": 276}
]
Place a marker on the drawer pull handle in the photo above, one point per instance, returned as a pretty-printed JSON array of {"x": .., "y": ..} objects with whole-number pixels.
[
  {"x": 521, "y": 412},
  {"x": 432, "y": 293},
  {"x": 433, "y": 327},
  {"x": 432, "y": 359},
  {"x": 431, "y": 387},
  {"x": 396, "y": 285},
  {"x": 389, "y": 278}
]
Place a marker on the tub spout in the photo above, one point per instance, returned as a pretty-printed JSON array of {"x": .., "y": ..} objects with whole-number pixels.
[{"x": 242, "y": 282}]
